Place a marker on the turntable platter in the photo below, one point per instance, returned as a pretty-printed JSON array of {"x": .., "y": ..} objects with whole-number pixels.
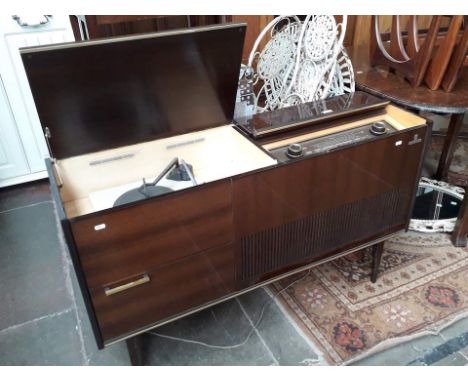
[{"x": 139, "y": 194}]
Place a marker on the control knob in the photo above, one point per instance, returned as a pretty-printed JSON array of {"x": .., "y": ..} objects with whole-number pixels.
[
  {"x": 378, "y": 128},
  {"x": 294, "y": 150}
]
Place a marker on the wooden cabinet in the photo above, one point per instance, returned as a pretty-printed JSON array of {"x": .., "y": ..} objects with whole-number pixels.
[
  {"x": 150, "y": 261},
  {"x": 243, "y": 217}
]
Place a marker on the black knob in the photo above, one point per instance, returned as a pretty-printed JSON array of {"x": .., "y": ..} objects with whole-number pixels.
[
  {"x": 294, "y": 150},
  {"x": 378, "y": 128}
]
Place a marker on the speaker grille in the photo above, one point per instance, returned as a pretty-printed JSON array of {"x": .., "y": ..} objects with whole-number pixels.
[{"x": 320, "y": 233}]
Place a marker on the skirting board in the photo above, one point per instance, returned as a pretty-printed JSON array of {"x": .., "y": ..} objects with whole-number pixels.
[{"x": 23, "y": 179}]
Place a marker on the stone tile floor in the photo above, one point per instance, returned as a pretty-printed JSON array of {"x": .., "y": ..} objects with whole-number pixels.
[{"x": 43, "y": 319}]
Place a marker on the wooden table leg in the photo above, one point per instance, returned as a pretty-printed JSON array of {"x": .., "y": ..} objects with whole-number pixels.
[
  {"x": 377, "y": 250},
  {"x": 461, "y": 227},
  {"x": 134, "y": 350},
  {"x": 449, "y": 146}
]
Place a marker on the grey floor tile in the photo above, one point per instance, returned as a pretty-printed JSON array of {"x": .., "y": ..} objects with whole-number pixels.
[
  {"x": 32, "y": 277},
  {"x": 402, "y": 354},
  {"x": 464, "y": 351},
  {"x": 223, "y": 325},
  {"x": 51, "y": 340},
  {"x": 447, "y": 348},
  {"x": 24, "y": 195},
  {"x": 455, "y": 359},
  {"x": 224, "y": 321},
  {"x": 114, "y": 355},
  {"x": 163, "y": 352},
  {"x": 455, "y": 329},
  {"x": 288, "y": 346}
]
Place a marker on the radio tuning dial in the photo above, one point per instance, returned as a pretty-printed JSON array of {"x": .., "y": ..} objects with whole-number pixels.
[
  {"x": 378, "y": 128},
  {"x": 294, "y": 150}
]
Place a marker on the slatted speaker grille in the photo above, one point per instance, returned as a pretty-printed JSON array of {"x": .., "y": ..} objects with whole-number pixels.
[{"x": 321, "y": 233}]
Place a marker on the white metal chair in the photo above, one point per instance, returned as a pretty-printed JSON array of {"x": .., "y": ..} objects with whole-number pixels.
[{"x": 302, "y": 61}]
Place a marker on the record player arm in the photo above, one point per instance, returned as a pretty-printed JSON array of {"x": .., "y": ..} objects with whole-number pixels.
[{"x": 174, "y": 162}]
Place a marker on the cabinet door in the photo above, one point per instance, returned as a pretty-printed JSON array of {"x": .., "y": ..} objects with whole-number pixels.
[
  {"x": 16, "y": 87},
  {"x": 12, "y": 158}
]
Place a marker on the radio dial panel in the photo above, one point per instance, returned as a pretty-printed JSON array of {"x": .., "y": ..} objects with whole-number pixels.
[{"x": 330, "y": 142}]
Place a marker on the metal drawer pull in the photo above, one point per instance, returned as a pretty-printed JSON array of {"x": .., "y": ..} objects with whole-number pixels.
[{"x": 121, "y": 288}]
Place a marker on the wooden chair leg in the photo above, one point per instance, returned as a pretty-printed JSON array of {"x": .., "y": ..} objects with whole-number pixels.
[
  {"x": 461, "y": 226},
  {"x": 134, "y": 350},
  {"x": 377, "y": 250},
  {"x": 449, "y": 146}
]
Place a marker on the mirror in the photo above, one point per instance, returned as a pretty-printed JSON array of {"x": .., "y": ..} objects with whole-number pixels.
[{"x": 436, "y": 206}]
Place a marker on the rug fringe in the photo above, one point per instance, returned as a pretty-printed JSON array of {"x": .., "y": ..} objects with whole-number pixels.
[{"x": 391, "y": 342}]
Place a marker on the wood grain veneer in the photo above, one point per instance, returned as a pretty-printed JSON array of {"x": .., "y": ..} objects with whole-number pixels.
[
  {"x": 172, "y": 289},
  {"x": 171, "y": 255},
  {"x": 302, "y": 211},
  {"x": 147, "y": 235},
  {"x": 436, "y": 70},
  {"x": 457, "y": 62}
]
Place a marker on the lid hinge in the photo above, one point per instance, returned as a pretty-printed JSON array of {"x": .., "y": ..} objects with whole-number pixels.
[{"x": 48, "y": 135}]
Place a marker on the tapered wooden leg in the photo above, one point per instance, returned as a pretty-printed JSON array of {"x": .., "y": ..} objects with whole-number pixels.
[
  {"x": 134, "y": 350},
  {"x": 449, "y": 146},
  {"x": 461, "y": 227},
  {"x": 377, "y": 250}
]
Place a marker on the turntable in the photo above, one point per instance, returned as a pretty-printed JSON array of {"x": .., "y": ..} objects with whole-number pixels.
[{"x": 176, "y": 176}]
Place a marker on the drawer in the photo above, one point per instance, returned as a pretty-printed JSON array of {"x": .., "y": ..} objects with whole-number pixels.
[
  {"x": 167, "y": 291},
  {"x": 153, "y": 233}
]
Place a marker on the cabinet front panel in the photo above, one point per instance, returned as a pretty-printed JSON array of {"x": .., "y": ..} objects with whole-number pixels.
[
  {"x": 307, "y": 209},
  {"x": 118, "y": 244},
  {"x": 164, "y": 292}
]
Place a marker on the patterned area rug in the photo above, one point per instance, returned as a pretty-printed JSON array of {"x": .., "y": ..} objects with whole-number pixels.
[
  {"x": 422, "y": 287},
  {"x": 458, "y": 173}
]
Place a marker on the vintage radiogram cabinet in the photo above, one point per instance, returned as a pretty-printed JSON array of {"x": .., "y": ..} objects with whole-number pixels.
[{"x": 234, "y": 205}]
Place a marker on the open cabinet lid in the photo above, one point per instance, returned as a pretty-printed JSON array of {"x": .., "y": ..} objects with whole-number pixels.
[{"x": 107, "y": 93}]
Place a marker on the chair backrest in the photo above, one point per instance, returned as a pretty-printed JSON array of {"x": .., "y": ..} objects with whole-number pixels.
[
  {"x": 302, "y": 61},
  {"x": 432, "y": 60}
]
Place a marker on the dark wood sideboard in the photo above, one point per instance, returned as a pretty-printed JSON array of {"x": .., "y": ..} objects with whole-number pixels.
[
  {"x": 174, "y": 254},
  {"x": 251, "y": 218}
]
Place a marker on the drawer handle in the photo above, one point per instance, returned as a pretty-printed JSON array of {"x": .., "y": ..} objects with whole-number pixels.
[{"x": 121, "y": 288}]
